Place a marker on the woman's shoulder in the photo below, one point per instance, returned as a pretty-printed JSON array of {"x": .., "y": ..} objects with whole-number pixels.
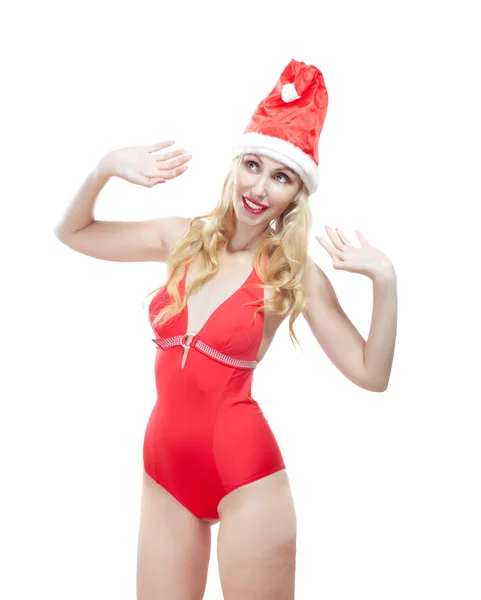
[
  {"x": 177, "y": 228},
  {"x": 315, "y": 279}
]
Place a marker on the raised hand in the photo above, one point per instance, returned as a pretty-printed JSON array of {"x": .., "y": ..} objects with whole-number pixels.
[
  {"x": 141, "y": 166},
  {"x": 366, "y": 260}
]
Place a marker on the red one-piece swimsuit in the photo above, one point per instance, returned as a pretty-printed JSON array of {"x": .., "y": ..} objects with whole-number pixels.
[{"x": 206, "y": 435}]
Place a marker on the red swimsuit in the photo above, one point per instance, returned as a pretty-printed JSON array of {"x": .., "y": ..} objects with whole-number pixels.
[{"x": 206, "y": 435}]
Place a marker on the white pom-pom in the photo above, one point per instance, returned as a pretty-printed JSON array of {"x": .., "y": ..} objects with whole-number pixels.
[{"x": 289, "y": 92}]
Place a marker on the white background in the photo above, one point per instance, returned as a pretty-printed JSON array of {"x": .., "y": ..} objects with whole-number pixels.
[{"x": 386, "y": 486}]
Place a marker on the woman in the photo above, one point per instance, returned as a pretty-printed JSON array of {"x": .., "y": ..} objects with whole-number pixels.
[{"x": 234, "y": 276}]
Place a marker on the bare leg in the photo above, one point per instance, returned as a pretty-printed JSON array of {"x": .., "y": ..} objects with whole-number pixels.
[
  {"x": 256, "y": 546},
  {"x": 173, "y": 549}
]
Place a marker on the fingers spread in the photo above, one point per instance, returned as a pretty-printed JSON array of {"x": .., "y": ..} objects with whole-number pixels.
[
  {"x": 173, "y": 172},
  {"x": 174, "y": 163},
  {"x": 159, "y": 146},
  {"x": 169, "y": 155}
]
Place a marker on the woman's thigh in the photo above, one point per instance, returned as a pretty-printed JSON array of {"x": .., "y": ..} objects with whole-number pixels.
[
  {"x": 256, "y": 546},
  {"x": 173, "y": 548}
]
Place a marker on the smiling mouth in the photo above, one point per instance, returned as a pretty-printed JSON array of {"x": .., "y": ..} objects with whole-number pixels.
[{"x": 252, "y": 205}]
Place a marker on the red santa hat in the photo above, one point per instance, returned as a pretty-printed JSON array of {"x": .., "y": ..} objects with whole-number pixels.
[{"x": 287, "y": 124}]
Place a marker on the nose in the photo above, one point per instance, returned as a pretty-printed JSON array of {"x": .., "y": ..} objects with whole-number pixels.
[{"x": 259, "y": 191}]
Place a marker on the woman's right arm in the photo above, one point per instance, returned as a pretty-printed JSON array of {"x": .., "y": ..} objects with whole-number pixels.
[{"x": 124, "y": 241}]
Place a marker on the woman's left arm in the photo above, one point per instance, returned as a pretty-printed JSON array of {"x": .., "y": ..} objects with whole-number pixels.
[{"x": 366, "y": 363}]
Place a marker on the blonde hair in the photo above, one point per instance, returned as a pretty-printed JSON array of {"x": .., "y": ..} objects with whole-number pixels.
[{"x": 286, "y": 250}]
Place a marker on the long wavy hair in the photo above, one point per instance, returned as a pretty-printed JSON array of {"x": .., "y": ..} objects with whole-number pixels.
[{"x": 280, "y": 259}]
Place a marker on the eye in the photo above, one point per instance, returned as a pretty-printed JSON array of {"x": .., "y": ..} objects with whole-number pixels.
[
  {"x": 283, "y": 175},
  {"x": 253, "y": 162}
]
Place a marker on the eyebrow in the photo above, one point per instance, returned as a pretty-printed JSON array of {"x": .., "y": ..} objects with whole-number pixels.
[{"x": 281, "y": 168}]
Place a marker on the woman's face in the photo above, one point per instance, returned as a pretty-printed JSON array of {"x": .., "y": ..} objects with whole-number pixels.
[{"x": 261, "y": 180}]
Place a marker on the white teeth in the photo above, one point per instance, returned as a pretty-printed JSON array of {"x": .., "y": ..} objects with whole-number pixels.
[{"x": 251, "y": 205}]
